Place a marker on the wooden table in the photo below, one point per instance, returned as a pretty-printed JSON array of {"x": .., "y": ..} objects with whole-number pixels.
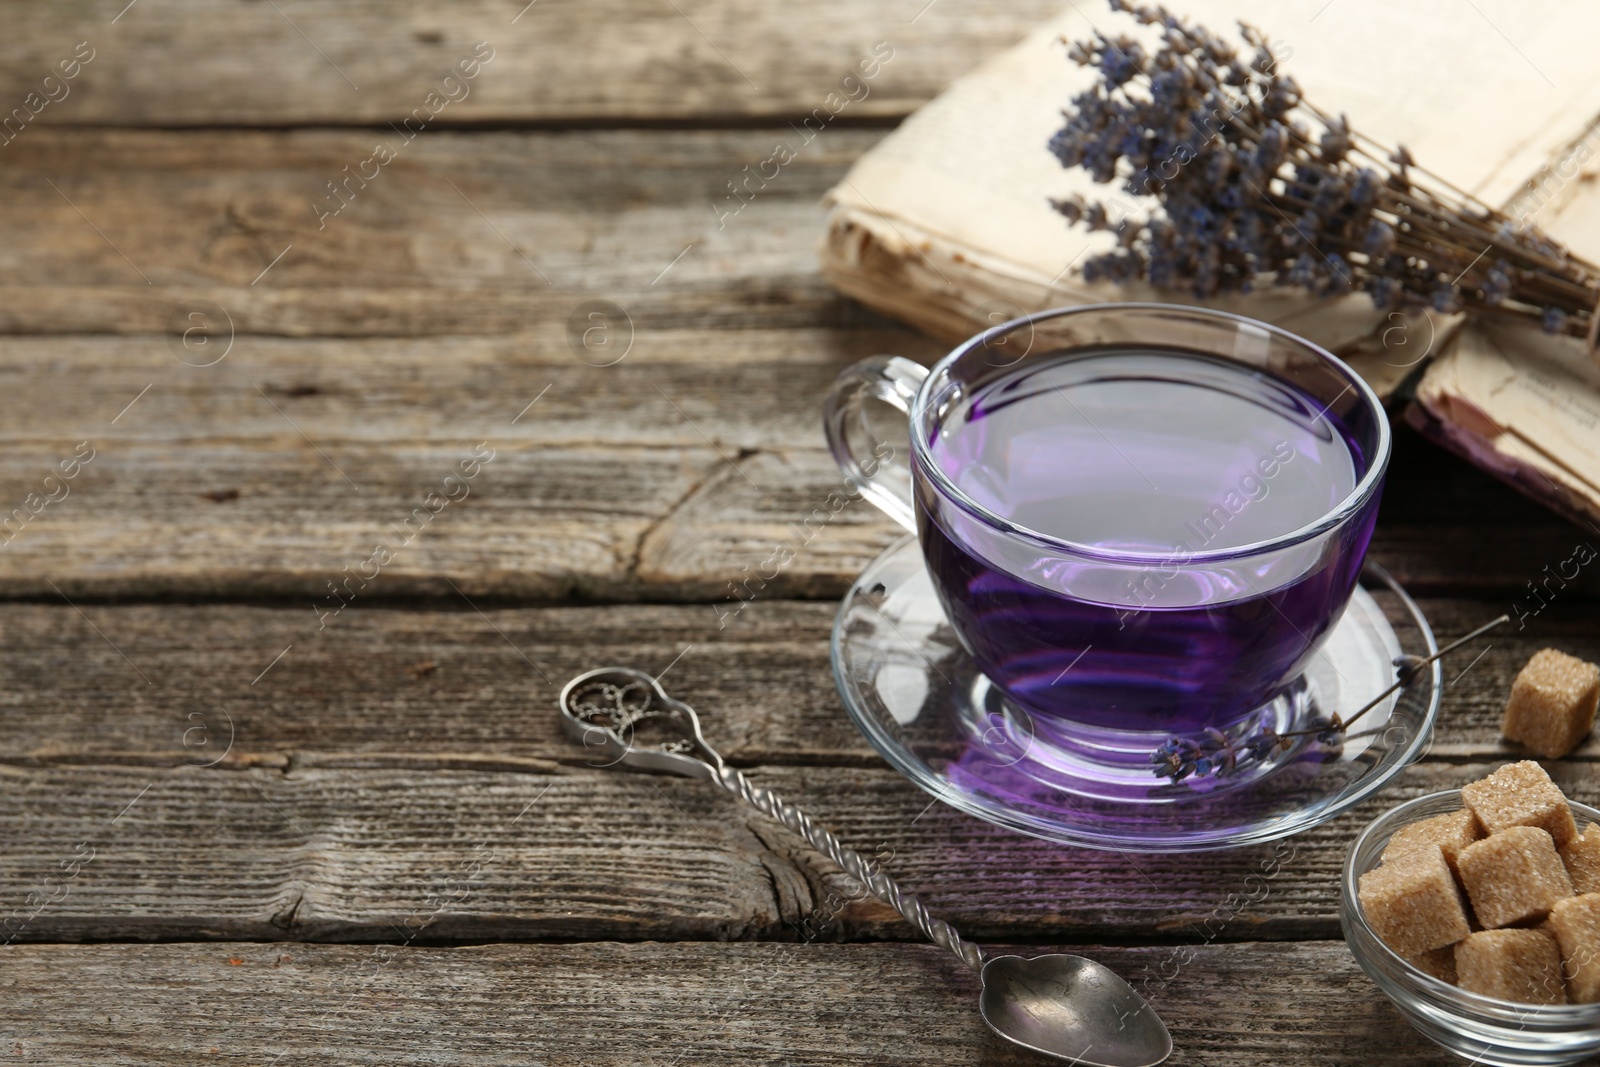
[{"x": 238, "y": 825}]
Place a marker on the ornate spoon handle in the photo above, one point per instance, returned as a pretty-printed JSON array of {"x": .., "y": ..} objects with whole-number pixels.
[
  {"x": 882, "y": 886},
  {"x": 625, "y": 715}
]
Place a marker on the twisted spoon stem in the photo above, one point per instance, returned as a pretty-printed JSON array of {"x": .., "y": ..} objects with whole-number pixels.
[
  {"x": 881, "y": 885},
  {"x": 605, "y": 707}
]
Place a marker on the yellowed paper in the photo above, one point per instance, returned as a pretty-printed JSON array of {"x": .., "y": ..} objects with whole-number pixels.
[{"x": 1524, "y": 404}]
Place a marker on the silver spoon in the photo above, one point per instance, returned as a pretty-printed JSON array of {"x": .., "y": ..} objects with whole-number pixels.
[{"x": 1064, "y": 1006}]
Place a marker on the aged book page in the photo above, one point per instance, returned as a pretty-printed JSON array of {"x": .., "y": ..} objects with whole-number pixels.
[{"x": 1523, "y": 405}]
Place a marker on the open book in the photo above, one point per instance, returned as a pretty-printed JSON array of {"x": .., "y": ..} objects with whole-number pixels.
[{"x": 946, "y": 223}]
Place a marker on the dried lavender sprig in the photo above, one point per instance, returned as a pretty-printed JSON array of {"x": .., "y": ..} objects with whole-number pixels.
[
  {"x": 1464, "y": 224},
  {"x": 1448, "y": 214},
  {"x": 1214, "y": 753},
  {"x": 1410, "y": 665},
  {"x": 1246, "y": 187}
]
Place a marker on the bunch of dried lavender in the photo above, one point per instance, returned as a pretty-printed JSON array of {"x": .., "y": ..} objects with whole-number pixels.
[{"x": 1256, "y": 184}]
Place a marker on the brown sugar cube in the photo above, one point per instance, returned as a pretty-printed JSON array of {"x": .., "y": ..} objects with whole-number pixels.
[
  {"x": 1517, "y": 965},
  {"x": 1582, "y": 857},
  {"x": 1440, "y": 963},
  {"x": 1513, "y": 876},
  {"x": 1521, "y": 794},
  {"x": 1452, "y": 832},
  {"x": 1552, "y": 703},
  {"x": 1413, "y": 903},
  {"x": 1575, "y": 922}
]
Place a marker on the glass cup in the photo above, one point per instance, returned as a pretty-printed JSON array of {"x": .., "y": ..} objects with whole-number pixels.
[{"x": 1105, "y": 646}]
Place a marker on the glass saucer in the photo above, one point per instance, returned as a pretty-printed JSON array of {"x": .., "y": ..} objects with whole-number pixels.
[{"x": 915, "y": 693}]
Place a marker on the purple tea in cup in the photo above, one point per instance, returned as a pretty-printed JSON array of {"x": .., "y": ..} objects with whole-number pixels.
[
  {"x": 1159, "y": 451},
  {"x": 1141, "y": 519}
]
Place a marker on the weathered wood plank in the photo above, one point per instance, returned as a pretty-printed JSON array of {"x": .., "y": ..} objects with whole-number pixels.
[
  {"x": 341, "y": 854},
  {"x": 527, "y": 310},
  {"x": 600, "y": 1004},
  {"x": 324, "y": 852},
  {"x": 287, "y": 516},
  {"x": 459, "y": 234},
  {"x": 746, "y": 388},
  {"x": 311, "y": 62},
  {"x": 432, "y": 689}
]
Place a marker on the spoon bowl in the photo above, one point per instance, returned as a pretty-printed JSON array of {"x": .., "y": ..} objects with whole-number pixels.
[{"x": 1073, "y": 1009}]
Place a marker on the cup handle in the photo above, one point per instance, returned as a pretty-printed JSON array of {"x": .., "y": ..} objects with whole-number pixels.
[{"x": 868, "y": 461}]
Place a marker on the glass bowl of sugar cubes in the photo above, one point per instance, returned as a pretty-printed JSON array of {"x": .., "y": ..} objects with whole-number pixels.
[{"x": 1477, "y": 911}]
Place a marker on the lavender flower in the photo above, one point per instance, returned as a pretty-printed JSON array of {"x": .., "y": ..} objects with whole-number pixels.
[
  {"x": 1215, "y": 753},
  {"x": 1256, "y": 185}
]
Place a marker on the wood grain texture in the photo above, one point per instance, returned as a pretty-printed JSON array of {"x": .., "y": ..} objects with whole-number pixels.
[
  {"x": 482, "y": 233},
  {"x": 539, "y": 852},
  {"x": 177, "y": 764},
  {"x": 313, "y": 62},
  {"x": 455, "y": 689},
  {"x": 285, "y": 516},
  {"x": 669, "y": 477},
  {"x": 601, "y": 1004}
]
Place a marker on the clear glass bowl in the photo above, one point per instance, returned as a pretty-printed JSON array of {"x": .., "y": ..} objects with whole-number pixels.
[{"x": 1478, "y": 1028}]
